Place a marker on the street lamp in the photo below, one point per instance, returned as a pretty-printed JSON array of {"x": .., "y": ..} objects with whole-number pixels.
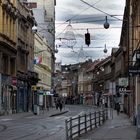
[
  {"x": 106, "y": 24},
  {"x": 34, "y": 29},
  {"x": 105, "y": 49}
]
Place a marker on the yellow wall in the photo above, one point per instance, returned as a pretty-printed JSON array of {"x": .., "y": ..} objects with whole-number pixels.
[
  {"x": 7, "y": 22},
  {"x": 44, "y": 76},
  {"x": 43, "y": 69}
]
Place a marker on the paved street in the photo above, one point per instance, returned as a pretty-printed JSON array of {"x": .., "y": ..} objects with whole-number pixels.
[
  {"x": 118, "y": 128},
  {"x": 26, "y": 126}
]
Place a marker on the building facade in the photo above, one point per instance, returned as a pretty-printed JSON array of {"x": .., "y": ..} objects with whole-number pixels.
[
  {"x": 44, "y": 13},
  {"x": 26, "y": 77},
  {"x": 134, "y": 22},
  {"x": 16, "y": 52},
  {"x": 43, "y": 67},
  {"x": 8, "y": 52}
]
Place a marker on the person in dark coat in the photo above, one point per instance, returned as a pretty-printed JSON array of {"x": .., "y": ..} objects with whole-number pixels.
[
  {"x": 60, "y": 106},
  {"x": 118, "y": 108}
]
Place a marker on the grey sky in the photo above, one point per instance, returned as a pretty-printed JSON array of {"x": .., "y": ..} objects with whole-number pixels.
[{"x": 84, "y": 17}]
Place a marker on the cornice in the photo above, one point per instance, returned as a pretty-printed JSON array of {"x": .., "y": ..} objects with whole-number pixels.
[
  {"x": 4, "y": 37},
  {"x": 9, "y": 8}
]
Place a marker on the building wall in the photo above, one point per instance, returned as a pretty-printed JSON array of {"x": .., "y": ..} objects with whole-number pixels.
[
  {"x": 46, "y": 22},
  {"x": 44, "y": 76},
  {"x": 43, "y": 52},
  {"x": 135, "y": 17},
  {"x": 44, "y": 14},
  {"x": 8, "y": 33},
  {"x": 44, "y": 67},
  {"x": 25, "y": 57},
  {"x": 25, "y": 39},
  {"x": 8, "y": 50}
]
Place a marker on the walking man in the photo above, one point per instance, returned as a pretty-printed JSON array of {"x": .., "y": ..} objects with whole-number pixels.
[{"x": 118, "y": 108}]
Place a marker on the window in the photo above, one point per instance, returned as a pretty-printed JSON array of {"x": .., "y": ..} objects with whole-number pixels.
[
  {"x": 5, "y": 64},
  {"x": 12, "y": 66}
]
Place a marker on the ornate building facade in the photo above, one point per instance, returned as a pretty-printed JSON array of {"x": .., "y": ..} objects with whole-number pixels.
[
  {"x": 16, "y": 56},
  {"x": 26, "y": 77},
  {"x": 8, "y": 52},
  {"x": 42, "y": 66},
  {"x": 44, "y": 13}
]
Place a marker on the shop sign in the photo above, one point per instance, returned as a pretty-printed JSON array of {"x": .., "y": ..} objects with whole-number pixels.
[
  {"x": 14, "y": 81},
  {"x": 134, "y": 70},
  {"x": 123, "y": 82}
]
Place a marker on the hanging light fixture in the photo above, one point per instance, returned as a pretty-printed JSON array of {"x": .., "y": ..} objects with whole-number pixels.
[
  {"x": 87, "y": 38},
  {"x": 56, "y": 50},
  {"x": 105, "y": 49},
  {"x": 106, "y": 24},
  {"x": 69, "y": 39}
]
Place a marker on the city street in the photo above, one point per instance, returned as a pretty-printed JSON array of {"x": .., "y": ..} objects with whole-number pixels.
[
  {"x": 38, "y": 127},
  {"x": 69, "y": 70}
]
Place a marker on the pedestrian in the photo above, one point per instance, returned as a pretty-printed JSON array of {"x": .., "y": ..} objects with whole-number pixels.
[
  {"x": 60, "y": 105},
  {"x": 118, "y": 108},
  {"x": 103, "y": 102},
  {"x": 57, "y": 105},
  {"x": 47, "y": 107}
]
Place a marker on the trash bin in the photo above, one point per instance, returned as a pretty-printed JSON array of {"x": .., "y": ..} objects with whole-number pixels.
[{"x": 36, "y": 109}]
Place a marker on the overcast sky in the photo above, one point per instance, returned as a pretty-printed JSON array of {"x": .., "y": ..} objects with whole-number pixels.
[{"x": 84, "y": 17}]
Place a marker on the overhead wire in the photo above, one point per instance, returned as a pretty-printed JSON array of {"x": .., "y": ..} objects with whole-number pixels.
[
  {"x": 89, "y": 21},
  {"x": 100, "y": 10},
  {"x": 89, "y": 29},
  {"x": 100, "y": 20},
  {"x": 114, "y": 16},
  {"x": 77, "y": 14}
]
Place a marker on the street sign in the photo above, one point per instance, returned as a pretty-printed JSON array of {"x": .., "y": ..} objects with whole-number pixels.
[
  {"x": 122, "y": 90},
  {"x": 134, "y": 70}
]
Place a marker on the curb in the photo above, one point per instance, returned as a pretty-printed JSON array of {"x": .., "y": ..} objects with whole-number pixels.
[{"x": 57, "y": 114}]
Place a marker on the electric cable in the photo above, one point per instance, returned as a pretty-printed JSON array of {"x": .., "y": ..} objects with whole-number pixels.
[
  {"x": 100, "y": 10},
  {"x": 78, "y": 14}
]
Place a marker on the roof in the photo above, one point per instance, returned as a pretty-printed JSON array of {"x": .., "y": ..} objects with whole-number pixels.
[
  {"x": 97, "y": 63},
  {"x": 93, "y": 65}
]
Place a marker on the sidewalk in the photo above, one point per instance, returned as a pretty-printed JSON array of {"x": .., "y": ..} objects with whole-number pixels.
[
  {"x": 43, "y": 113},
  {"x": 118, "y": 128}
]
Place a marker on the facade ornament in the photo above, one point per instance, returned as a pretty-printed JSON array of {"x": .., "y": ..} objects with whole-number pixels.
[
  {"x": 4, "y": 3},
  {"x": 9, "y": 8}
]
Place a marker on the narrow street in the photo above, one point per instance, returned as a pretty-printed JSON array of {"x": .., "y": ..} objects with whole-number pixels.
[
  {"x": 69, "y": 69},
  {"x": 41, "y": 127}
]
